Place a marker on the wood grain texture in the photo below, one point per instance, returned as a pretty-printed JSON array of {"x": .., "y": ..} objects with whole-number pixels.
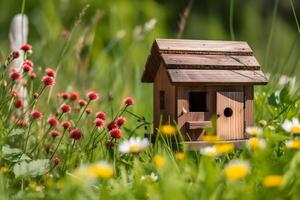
[
  {"x": 204, "y": 46},
  {"x": 232, "y": 127},
  {"x": 199, "y": 124},
  {"x": 193, "y": 61},
  {"x": 162, "y": 83},
  {"x": 249, "y": 107},
  {"x": 184, "y": 118},
  {"x": 217, "y": 76}
]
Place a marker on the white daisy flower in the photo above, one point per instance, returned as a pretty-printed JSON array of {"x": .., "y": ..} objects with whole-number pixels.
[
  {"x": 292, "y": 126},
  {"x": 134, "y": 145},
  {"x": 292, "y": 144},
  {"x": 253, "y": 131},
  {"x": 153, "y": 177},
  {"x": 256, "y": 143},
  {"x": 209, "y": 151}
]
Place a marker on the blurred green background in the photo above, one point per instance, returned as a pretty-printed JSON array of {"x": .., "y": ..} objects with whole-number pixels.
[{"x": 107, "y": 49}]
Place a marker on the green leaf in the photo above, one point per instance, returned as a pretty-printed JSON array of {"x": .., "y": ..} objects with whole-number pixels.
[
  {"x": 7, "y": 151},
  {"x": 32, "y": 169},
  {"x": 284, "y": 94},
  {"x": 18, "y": 131},
  {"x": 274, "y": 100}
]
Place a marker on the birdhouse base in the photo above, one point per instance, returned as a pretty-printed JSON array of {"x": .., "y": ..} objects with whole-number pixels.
[{"x": 196, "y": 145}]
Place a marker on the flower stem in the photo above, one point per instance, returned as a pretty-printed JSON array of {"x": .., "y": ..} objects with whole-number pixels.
[{"x": 63, "y": 134}]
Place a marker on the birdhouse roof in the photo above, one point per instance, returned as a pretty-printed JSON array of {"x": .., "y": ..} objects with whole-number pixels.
[{"x": 204, "y": 61}]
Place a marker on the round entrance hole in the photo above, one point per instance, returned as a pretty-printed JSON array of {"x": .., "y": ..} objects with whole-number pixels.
[{"x": 228, "y": 112}]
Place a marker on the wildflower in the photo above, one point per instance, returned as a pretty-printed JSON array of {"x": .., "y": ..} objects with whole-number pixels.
[
  {"x": 273, "y": 181},
  {"x": 15, "y": 93},
  {"x": 52, "y": 121},
  {"x": 37, "y": 187},
  {"x": 74, "y": 96},
  {"x": 159, "y": 161},
  {"x": 14, "y": 75},
  {"x": 134, "y": 145},
  {"x": 180, "y": 155},
  {"x": 101, "y": 170},
  {"x": 66, "y": 124},
  {"x": 32, "y": 75},
  {"x": 263, "y": 123},
  {"x": 112, "y": 125},
  {"x": 209, "y": 151},
  {"x": 99, "y": 122},
  {"x": 19, "y": 103},
  {"x": 88, "y": 111},
  {"x": 36, "y": 114},
  {"x": 36, "y": 95},
  {"x": 28, "y": 62},
  {"x": 26, "y": 47},
  {"x": 56, "y": 160},
  {"x": 128, "y": 101},
  {"x": 152, "y": 177},
  {"x": 4, "y": 170},
  {"x": 26, "y": 68},
  {"x": 253, "y": 131},
  {"x": 82, "y": 102},
  {"x": 54, "y": 133},
  {"x": 224, "y": 148},
  {"x": 92, "y": 96},
  {"x": 50, "y": 72},
  {"x": 293, "y": 144},
  {"x": 292, "y": 126},
  {"x": 64, "y": 95},
  {"x": 168, "y": 130},
  {"x": 237, "y": 170},
  {"x": 116, "y": 133},
  {"x": 48, "y": 80},
  {"x": 65, "y": 108},
  {"x": 121, "y": 121},
  {"x": 101, "y": 115},
  {"x": 22, "y": 123},
  {"x": 75, "y": 134},
  {"x": 210, "y": 138},
  {"x": 15, "y": 54},
  {"x": 256, "y": 143}
]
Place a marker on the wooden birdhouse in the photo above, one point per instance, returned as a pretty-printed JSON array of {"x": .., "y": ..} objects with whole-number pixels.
[{"x": 201, "y": 85}]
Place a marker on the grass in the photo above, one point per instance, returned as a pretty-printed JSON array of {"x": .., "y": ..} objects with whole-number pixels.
[{"x": 36, "y": 165}]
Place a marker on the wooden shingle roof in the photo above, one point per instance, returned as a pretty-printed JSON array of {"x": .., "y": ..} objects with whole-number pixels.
[{"x": 203, "y": 61}]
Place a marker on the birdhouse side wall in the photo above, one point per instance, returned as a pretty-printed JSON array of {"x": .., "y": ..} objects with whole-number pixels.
[{"x": 164, "y": 98}]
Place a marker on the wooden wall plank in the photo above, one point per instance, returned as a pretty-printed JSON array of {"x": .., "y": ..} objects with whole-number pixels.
[
  {"x": 249, "y": 107},
  {"x": 162, "y": 82}
]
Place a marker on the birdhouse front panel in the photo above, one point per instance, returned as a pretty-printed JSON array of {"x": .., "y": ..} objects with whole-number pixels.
[{"x": 205, "y": 87}]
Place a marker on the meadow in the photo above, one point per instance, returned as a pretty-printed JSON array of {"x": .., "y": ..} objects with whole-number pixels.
[{"x": 78, "y": 132}]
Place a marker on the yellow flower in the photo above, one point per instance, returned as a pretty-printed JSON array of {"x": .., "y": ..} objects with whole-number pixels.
[
  {"x": 263, "y": 123},
  {"x": 168, "y": 130},
  {"x": 159, "y": 161},
  {"x": 256, "y": 143},
  {"x": 224, "y": 148},
  {"x": 101, "y": 170},
  {"x": 253, "y": 131},
  {"x": 273, "y": 181},
  {"x": 237, "y": 169},
  {"x": 293, "y": 144},
  {"x": 4, "y": 170},
  {"x": 210, "y": 138},
  {"x": 180, "y": 155}
]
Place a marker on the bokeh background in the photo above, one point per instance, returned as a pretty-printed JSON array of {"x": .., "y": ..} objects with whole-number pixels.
[{"x": 106, "y": 43}]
